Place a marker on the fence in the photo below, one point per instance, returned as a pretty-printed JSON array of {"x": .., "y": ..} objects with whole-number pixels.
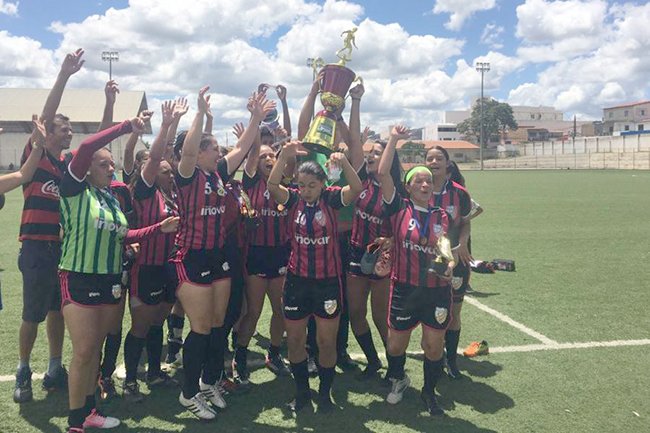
[
  {"x": 577, "y": 161},
  {"x": 584, "y": 145}
]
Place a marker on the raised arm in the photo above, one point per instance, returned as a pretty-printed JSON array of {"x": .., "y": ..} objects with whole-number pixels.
[
  {"x": 110, "y": 90},
  {"x": 209, "y": 120},
  {"x": 190, "y": 152},
  {"x": 383, "y": 171},
  {"x": 307, "y": 111},
  {"x": 354, "y": 186},
  {"x": 356, "y": 145},
  {"x": 27, "y": 170},
  {"x": 259, "y": 107},
  {"x": 251, "y": 160},
  {"x": 157, "y": 150},
  {"x": 286, "y": 119},
  {"x": 180, "y": 109},
  {"x": 289, "y": 152},
  {"x": 71, "y": 64}
]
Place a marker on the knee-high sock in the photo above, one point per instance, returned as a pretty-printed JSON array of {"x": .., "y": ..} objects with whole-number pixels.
[
  {"x": 432, "y": 372},
  {"x": 154, "y": 349},
  {"x": 214, "y": 358},
  {"x": 326, "y": 376},
  {"x": 396, "y": 366},
  {"x": 194, "y": 353},
  {"x": 111, "y": 350},
  {"x": 174, "y": 334},
  {"x": 132, "y": 352},
  {"x": 368, "y": 346},
  {"x": 451, "y": 344},
  {"x": 301, "y": 378}
]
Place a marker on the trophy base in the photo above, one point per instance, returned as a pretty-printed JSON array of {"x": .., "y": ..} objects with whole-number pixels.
[
  {"x": 321, "y": 134},
  {"x": 439, "y": 268}
]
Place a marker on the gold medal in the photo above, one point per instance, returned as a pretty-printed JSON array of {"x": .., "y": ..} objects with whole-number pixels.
[
  {"x": 280, "y": 207},
  {"x": 423, "y": 241}
]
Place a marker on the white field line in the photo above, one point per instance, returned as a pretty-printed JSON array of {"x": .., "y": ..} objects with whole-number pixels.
[
  {"x": 520, "y": 326},
  {"x": 502, "y": 349}
]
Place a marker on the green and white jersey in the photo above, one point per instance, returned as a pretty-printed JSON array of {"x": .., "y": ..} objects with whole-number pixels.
[{"x": 94, "y": 228}]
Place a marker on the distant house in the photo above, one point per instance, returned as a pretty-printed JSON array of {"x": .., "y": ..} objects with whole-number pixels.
[
  {"x": 626, "y": 118},
  {"x": 84, "y": 107}
]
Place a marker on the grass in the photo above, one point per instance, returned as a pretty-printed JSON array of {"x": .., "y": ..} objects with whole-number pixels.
[{"x": 581, "y": 242}]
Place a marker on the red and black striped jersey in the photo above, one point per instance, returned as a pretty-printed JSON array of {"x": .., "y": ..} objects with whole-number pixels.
[
  {"x": 313, "y": 233},
  {"x": 151, "y": 206},
  {"x": 40, "y": 220},
  {"x": 456, "y": 201},
  {"x": 201, "y": 206},
  {"x": 122, "y": 193},
  {"x": 416, "y": 232},
  {"x": 272, "y": 230},
  {"x": 369, "y": 220}
]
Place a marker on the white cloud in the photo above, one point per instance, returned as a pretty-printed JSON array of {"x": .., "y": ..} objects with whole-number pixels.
[
  {"x": 461, "y": 10},
  {"x": 24, "y": 62},
  {"x": 491, "y": 36},
  {"x": 9, "y": 8}
]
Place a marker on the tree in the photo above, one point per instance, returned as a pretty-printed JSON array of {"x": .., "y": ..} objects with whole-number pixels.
[{"x": 497, "y": 119}]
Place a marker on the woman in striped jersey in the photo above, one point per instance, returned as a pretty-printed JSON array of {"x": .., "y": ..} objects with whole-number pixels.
[
  {"x": 416, "y": 295},
  {"x": 313, "y": 283},
  {"x": 151, "y": 290},
  {"x": 95, "y": 230},
  {"x": 201, "y": 270},
  {"x": 453, "y": 198}
]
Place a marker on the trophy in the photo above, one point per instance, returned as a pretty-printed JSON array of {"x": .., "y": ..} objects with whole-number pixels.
[
  {"x": 334, "y": 85},
  {"x": 443, "y": 256}
]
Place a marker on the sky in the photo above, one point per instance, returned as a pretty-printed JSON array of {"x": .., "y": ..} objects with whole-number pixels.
[{"x": 417, "y": 57}]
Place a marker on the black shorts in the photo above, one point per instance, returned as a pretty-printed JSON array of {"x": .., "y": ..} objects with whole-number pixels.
[
  {"x": 151, "y": 284},
  {"x": 410, "y": 305},
  {"x": 38, "y": 261},
  {"x": 90, "y": 290},
  {"x": 267, "y": 262},
  {"x": 200, "y": 267},
  {"x": 356, "y": 253},
  {"x": 460, "y": 282},
  {"x": 303, "y": 297}
]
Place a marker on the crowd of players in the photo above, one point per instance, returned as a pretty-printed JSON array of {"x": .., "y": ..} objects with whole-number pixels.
[{"x": 185, "y": 238}]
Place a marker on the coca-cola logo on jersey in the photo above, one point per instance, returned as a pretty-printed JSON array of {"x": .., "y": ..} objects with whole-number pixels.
[{"x": 50, "y": 188}]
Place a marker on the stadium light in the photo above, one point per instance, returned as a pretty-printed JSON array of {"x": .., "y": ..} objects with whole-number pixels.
[
  {"x": 110, "y": 57},
  {"x": 482, "y": 67}
]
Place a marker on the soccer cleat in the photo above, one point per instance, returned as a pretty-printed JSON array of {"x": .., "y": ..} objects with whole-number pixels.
[
  {"x": 23, "y": 389},
  {"x": 161, "y": 379},
  {"x": 174, "y": 357},
  {"x": 312, "y": 367},
  {"x": 97, "y": 420},
  {"x": 477, "y": 348},
  {"x": 240, "y": 374},
  {"x": 198, "y": 406},
  {"x": 106, "y": 388},
  {"x": 227, "y": 386},
  {"x": 131, "y": 392},
  {"x": 75, "y": 430},
  {"x": 398, "y": 386},
  {"x": 212, "y": 394},
  {"x": 299, "y": 403},
  {"x": 276, "y": 364},
  {"x": 429, "y": 400},
  {"x": 58, "y": 381},
  {"x": 370, "y": 371}
]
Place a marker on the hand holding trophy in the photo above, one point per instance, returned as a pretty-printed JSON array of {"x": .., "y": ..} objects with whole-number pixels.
[{"x": 444, "y": 257}]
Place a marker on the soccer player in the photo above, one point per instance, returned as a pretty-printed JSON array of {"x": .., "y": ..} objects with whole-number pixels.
[
  {"x": 416, "y": 295},
  {"x": 41, "y": 246},
  {"x": 94, "y": 232},
  {"x": 202, "y": 273},
  {"x": 313, "y": 281},
  {"x": 13, "y": 180},
  {"x": 151, "y": 291},
  {"x": 451, "y": 195}
]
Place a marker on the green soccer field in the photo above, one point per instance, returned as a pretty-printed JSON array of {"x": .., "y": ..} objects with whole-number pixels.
[{"x": 569, "y": 332}]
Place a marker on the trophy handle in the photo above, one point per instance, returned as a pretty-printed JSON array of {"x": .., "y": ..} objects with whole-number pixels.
[{"x": 359, "y": 79}]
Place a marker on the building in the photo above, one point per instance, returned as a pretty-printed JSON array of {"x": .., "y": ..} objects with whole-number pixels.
[
  {"x": 414, "y": 151},
  {"x": 84, "y": 107},
  {"x": 630, "y": 117}
]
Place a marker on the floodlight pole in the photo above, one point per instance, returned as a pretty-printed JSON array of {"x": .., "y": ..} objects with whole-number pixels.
[
  {"x": 482, "y": 67},
  {"x": 110, "y": 57}
]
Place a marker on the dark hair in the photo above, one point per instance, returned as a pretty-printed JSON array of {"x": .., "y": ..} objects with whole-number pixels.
[
  {"x": 206, "y": 139},
  {"x": 310, "y": 167},
  {"x": 454, "y": 173},
  {"x": 396, "y": 171},
  {"x": 442, "y": 150},
  {"x": 139, "y": 156},
  {"x": 58, "y": 119}
]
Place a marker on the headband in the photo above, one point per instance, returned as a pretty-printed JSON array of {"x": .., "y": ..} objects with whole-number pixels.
[{"x": 415, "y": 170}]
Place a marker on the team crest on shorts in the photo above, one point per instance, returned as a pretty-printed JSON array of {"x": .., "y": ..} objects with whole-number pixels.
[
  {"x": 440, "y": 315},
  {"x": 456, "y": 282},
  {"x": 116, "y": 290},
  {"x": 330, "y": 306},
  {"x": 225, "y": 266}
]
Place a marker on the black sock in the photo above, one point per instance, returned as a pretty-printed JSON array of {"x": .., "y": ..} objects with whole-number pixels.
[
  {"x": 214, "y": 358},
  {"x": 301, "y": 377},
  {"x": 235, "y": 334},
  {"x": 396, "y": 366},
  {"x": 132, "y": 352},
  {"x": 194, "y": 352},
  {"x": 241, "y": 355},
  {"x": 154, "y": 349},
  {"x": 274, "y": 351},
  {"x": 326, "y": 376},
  {"x": 89, "y": 404},
  {"x": 111, "y": 350},
  {"x": 174, "y": 333},
  {"x": 432, "y": 372},
  {"x": 76, "y": 417},
  {"x": 368, "y": 346},
  {"x": 451, "y": 344}
]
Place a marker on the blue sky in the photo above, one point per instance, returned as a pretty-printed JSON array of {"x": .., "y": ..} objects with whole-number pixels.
[{"x": 417, "y": 56}]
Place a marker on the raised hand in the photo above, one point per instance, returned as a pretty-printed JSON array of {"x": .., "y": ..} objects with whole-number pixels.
[
  {"x": 293, "y": 148},
  {"x": 180, "y": 108},
  {"x": 365, "y": 134},
  {"x": 111, "y": 90},
  {"x": 259, "y": 106},
  {"x": 137, "y": 124},
  {"x": 357, "y": 91},
  {"x": 315, "y": 86},
  {"x": 238, "y": 130},
  {"x": 204, "y": 101},
  {"x": 280, "y": 133},
  {"x": 262, "y": 88},
  {"x": 72, "y": 62},
  {"x": 281, "y": 91},
  {"x": 39, "y": 133},
  {"x": 167, "y": 110},
  {"x": 400, "y": 132}
]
